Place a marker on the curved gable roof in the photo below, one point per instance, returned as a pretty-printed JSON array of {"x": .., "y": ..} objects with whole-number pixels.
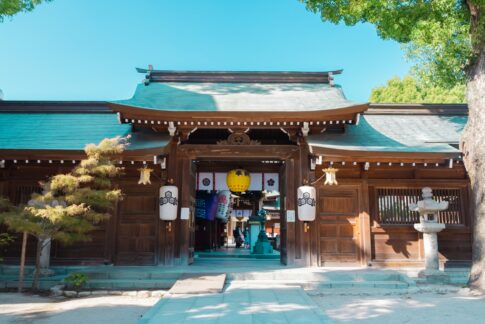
[{"x": 246, "y": 97}]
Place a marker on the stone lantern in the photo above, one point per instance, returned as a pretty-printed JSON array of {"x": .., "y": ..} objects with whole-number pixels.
[
  {"x": 262, "y": 245},
  {"x": 429, "y": 226}
]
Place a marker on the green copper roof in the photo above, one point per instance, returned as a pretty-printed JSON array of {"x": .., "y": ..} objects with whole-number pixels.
[
  {"x": 57, "y": 131},
  {"x": 197, "y": 96},
  {"x": 396, "y": 133}
]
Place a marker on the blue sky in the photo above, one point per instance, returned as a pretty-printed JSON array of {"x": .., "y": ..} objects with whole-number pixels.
[{"x": 88, "y": 50}]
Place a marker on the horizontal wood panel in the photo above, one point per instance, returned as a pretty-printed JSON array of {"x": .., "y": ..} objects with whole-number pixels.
[
  {"x": 137, "y": 226},
  {"x": 338, "y": 224}
]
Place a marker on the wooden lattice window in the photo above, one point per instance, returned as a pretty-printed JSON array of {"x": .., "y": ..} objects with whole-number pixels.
[{"x": 393, "y": 205}]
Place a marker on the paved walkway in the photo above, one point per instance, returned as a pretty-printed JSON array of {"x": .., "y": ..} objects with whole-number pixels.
[{"x": 241, "y": 304}]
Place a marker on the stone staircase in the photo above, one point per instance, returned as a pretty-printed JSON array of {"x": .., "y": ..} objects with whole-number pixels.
[
  {"x": 320, "y": 279},
  {"x": 9, "y": 278},
  {"x": 239, "y": 271},
  {"x": 131, "y": 279}
]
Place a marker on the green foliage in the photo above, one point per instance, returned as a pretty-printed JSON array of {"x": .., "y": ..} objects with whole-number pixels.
[
  {"x": 71, "y": 205},
  {"x": 5, "y": 239},
  {"x": 439, "y": 35},
  {"x": 408, "y": 90},
  {"x": 9, "y": 8},
  {"x": 76, "y": 280}
]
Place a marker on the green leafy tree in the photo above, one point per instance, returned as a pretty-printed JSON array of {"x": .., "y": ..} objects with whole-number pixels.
[
  {"x": 71, "y": 204},
  {"x": 409, "y": 90},
  {"x": 18, "y": 220},
  {"x": 446, "y": 39},
  {"x": 8, "y": 8}
]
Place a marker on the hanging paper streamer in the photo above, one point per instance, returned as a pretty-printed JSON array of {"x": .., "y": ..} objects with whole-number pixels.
[
  {"x": 256, "y": 182},
  {"x": 210, "y": 181},
  {"x": 220, "y": 181},
  {"x": 271, "y": 182},
  {"x": 205, "y": 181}
]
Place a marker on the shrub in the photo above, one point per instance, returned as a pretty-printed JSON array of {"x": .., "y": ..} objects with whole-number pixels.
[{"x": 76, "y": 280}]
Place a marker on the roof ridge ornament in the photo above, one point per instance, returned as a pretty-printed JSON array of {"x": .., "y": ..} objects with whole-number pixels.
[
  {"x": 148, "y": 75},
  {"x": 239, "y": 76}
]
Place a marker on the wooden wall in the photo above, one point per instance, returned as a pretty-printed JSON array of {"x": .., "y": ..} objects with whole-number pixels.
[
  {"x": 130, "y": 236},
  {"x": 349, "y": 225},
  {"x": 348, "y": 229}
]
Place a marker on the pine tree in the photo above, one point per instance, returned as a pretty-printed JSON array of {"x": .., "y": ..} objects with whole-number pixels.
[{"x": 72, "y": 204}]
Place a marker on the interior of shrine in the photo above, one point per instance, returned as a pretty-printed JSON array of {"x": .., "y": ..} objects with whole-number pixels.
[{"x": 227, "y": 223}]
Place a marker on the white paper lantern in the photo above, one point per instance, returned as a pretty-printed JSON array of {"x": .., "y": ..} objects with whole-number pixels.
[
  {"x": 169, "y": 198},
  {"x": 223, "y": 202},
  {"x": 306, "y": 201}
]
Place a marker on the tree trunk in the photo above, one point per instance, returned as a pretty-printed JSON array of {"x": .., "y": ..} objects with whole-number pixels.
[
  {"x": 473, "y": 148},
  {"x": 22, "y": 262},
  {"x": 35, "y": 283},
  {"x": 45, "y": 256}
]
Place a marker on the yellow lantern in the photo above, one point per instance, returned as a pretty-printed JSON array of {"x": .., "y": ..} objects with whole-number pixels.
[{"x": 238, "y": 180}]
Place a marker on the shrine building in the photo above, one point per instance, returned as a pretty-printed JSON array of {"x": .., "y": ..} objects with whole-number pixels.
[{"x": 249, "y": 142}]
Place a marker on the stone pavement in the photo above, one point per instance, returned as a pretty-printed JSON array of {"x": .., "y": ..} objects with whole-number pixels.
[{"x": 240, "y": 303}]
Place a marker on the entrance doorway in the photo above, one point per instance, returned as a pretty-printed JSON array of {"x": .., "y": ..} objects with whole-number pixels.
[{"x": 232, "y": 231}]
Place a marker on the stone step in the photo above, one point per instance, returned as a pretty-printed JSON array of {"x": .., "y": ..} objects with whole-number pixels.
[
  {"x": 134, "y": 275},
  {"x": 459, "y": 280},
  {"x": 238, "y": 256},
  {"x": 129, "y": 284},
  {"x": 43, "y": 284},
  {"x": 333, "y": 276},
  {"x": 389, "y": 284}
]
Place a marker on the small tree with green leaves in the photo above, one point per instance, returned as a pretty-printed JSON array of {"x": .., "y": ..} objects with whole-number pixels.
[
  {"x": 410, "y": 90},
  {"x": 9, "y": 8},
  {"x": 72, "y": 204},
  {"x": 446, "y": 40}
]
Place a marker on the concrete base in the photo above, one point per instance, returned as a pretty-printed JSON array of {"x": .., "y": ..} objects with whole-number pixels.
[
  {"x": 434, "y": 276},
  {"x": 47, "y": 272}
]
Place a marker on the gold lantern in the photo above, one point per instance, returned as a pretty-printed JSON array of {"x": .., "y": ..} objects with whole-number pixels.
[
  {"x": 144, "y": 176},
  {"x": 330, "y": 176},
  {"x": 238, "y": 180}
]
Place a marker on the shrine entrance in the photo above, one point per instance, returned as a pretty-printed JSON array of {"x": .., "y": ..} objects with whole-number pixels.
[{"x": 227, "y": 222}]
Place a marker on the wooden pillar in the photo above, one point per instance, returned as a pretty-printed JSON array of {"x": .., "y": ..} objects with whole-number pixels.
[
  {"x": 299, "y": 258},
  {"x": 290, "y": 205},
  {"x": 167, "y": 229},
  {"x": 305, "y": 234},
  {"x": 365, "y": 222},
  {"x": 186, "y": 197},
  {"x": 314, "y": 229}
]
